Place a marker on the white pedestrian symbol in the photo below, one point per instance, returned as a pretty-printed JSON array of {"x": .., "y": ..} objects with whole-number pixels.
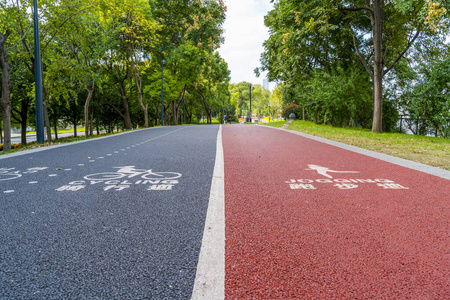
[{"x": 323, "y": 170}]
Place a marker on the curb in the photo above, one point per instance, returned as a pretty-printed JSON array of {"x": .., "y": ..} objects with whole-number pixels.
[{"x": 385, "y": 157}]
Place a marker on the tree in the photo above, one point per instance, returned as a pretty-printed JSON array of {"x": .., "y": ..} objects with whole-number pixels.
[
  {"x": 311, "y": 35},
  {"x": 186, "y": 25}
]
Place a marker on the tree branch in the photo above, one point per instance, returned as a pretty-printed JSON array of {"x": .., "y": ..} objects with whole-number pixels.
[
  {"x": 403, "y": 53},
  {"x": 366, "y": 66},
  {"x": 113, "y": 107},
  {"x": 357, "y": 8}
]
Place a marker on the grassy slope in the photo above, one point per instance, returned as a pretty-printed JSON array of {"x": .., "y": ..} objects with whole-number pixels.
[{"x": 426, "y": 150}]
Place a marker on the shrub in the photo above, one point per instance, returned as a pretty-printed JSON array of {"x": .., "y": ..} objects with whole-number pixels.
[{"x": 293, "y": 108}]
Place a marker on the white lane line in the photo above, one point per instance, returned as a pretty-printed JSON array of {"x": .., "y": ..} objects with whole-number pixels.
[
  {"x": 52, "y": 175},
  {"x": 32, "y": 182},
  {"x": 101, "y": 157},
  {"x": 116, "y": 152},
  {"x": 108, "y": 154},
  {"x": 80, "y": 165},
  {"x": 8, "y": 192},
  {"x": 92, "y": 160},
  {"x": 67, "y": 169},
  {"x": 210, "y": 278}
]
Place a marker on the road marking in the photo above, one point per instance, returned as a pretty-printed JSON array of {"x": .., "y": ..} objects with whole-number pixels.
[
  {"x": 8, "y": 192},
  {"x": 101, "y": 157},
  {"x": 80, "y": 165},
  {"x": 67, "y": 169},
  {"x": 210, "y": 277},
  {"x": 32, "y": 182},
  {"x": 92, "y": 160},
  {"x": 108, "y": 154}
]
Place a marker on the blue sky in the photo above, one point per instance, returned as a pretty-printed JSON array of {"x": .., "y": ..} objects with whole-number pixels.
[{"x": 244, "y": 34}]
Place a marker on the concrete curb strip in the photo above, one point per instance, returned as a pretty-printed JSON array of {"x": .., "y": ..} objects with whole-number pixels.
[
  {"x": 210, "y": 277},
  {"x": 385, "y": 157}
]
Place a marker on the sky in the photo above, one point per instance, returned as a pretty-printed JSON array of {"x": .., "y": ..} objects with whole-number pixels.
[{"x": 245, "y": 33}]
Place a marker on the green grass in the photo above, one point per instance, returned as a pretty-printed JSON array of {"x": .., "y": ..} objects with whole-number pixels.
[
  {"x": 427, "y": 150},
  {"x": 60, "y": 131},
  {"x": 277, "y": 124}
]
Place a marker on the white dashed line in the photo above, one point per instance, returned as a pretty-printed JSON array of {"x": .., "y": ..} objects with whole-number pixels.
[
  {"x": 101, "y": 157},
  {"x": 116, "y": 152},
  {"x": 108, "y": 154},
  {"x": 80, "y": 165},
  {"x": 52, "y": 175},
  {"x": 32, "y": 182},
  {"x": 67, "y": 169},
  {"x": 92, "y": 160},
  {"x": 8, "y": 192}
]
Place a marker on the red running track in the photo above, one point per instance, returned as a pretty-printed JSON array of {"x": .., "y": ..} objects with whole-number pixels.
[{"x": 293, "y": 232}]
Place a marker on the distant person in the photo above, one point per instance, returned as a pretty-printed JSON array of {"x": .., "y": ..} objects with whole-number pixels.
[{"x": 229, "y": 119}]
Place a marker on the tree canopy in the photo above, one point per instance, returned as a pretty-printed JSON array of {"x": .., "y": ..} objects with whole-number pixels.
[{"x": 102, "y": 62}]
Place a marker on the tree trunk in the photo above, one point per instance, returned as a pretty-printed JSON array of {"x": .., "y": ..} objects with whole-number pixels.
[
  {"x": 46, "y": 118},
  {"x": 126, "y": 114},
  {"x": 55, "y": 128},
  {"x": 377, "y": 25},
  {"x": 6, "y": 89},
  {"x": 90, "y": 90},
  {"x": 207, "y": 107},
  {"x": 24, "y": 121},
  {"x": 125, "y": 105},
  {"x": 91, "y": 126},
  {"x": 174, "y": 112}
]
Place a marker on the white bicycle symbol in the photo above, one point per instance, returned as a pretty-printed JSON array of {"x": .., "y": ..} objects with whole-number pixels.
[
  {"x": 6, "y": 174},
  {"x": 130, "y": 172}
]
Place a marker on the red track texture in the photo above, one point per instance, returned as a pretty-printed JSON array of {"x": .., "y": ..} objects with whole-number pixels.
[{"x": 381, "y": 233}]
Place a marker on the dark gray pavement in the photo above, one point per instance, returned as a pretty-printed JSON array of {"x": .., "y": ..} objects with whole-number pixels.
[{"x": 118, "y": 217}]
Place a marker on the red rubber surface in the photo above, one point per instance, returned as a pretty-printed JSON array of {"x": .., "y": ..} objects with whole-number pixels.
[{"x": 328, "y": 243}]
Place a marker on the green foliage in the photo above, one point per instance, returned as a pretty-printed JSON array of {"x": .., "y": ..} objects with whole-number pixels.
[
  {"x": 291, "y": 109},
  {"x": 426, "y": 100},
  {"x": 323, "y": 52}
]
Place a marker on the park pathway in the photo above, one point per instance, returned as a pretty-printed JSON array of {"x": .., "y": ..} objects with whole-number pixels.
[{"x": 307, "y": 220}]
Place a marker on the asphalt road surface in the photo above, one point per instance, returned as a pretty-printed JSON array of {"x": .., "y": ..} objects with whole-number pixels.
[
  {"x": 75, "y": 225},
  {"x": 209, "y": 212}
]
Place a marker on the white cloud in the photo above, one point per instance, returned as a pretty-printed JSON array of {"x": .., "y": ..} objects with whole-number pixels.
[{"x": 245, "y": 33}]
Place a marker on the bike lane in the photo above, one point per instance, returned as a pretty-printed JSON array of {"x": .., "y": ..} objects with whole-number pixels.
[
  {"x": 307, "y": 220},
  {"x": 95, "y": 220}
]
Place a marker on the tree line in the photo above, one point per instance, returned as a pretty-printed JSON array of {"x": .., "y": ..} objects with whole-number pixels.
[
  {"x": 102, "y": 63},
  {"x": 364, "y": 62}
]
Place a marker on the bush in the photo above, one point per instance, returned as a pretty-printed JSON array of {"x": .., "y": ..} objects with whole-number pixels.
[
  {"x": 13, "y": 146},
  {"x": 293, "y": 108}
]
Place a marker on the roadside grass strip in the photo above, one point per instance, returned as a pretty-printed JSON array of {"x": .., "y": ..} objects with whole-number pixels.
[{"x": 432, "y": 151}]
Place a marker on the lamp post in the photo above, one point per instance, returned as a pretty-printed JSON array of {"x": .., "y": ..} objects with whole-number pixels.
[
  {"x": 250, "y": 112},
  {"x": 38, "y": 79},
  {"x": 162, "y": 92}
]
